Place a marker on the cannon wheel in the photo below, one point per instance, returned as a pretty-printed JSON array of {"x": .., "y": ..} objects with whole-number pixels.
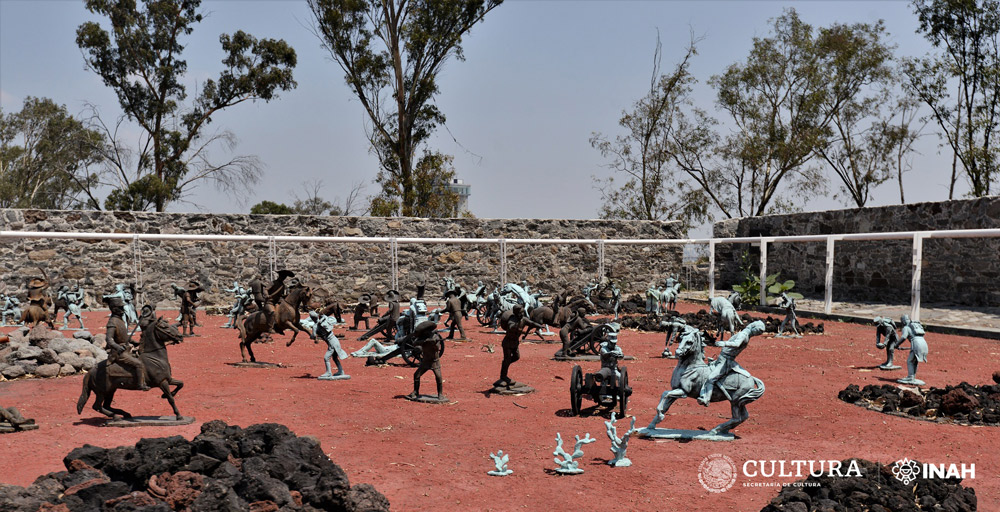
[
  {"x": 623, "y": 392},
  {"x": 576, "y": 390},
  {"x": 412, "y": 356},
  {"x": 481, "y": 315},
  {"x": 596, "y": 337}
]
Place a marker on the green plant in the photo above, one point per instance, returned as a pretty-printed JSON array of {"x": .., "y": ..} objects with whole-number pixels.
[{"x": 749, "y": 289}]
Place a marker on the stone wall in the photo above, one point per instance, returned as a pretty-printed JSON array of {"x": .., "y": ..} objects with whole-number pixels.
[
  {"x": 955, "y": 271},
  {"x": 344, "y": 270}
]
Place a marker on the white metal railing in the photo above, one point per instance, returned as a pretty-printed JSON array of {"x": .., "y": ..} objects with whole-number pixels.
[{"x": 916, "y": 236}]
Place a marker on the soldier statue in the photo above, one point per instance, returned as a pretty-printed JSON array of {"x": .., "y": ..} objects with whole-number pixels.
[
  {"x": 513, "y": 328},
  {"x": 789, "y": 304},
  {"x": 324, "y": 330},
  {"x": 885, "y": 327},
  {"x": 119, "y": 343},
  {"x": 453, "y": 307},
  {"x": 127, "y": 296},
  {"x": 243, "y": 299},
  {"x": 189, "y": 303},
  {"x": 726, "y": 361},
  {"x": 913, "y": 331},
  {"x": 432, "y": 348},
  {"x": 11, "y": 308},
  {"x": 74, "y": 302}
]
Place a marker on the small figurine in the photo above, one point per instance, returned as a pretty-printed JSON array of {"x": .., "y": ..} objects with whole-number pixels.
[
  {"x": 243, "y": 299},
  {"x": 736, "y": 300},
  {"x": 11, "y": 308},
  {"x": 361, "y": 309},
  {"x": 913, "y": 331},
  {"x": 884, "y": 326},
  {"x": 728, "y": 319},
  {"x": 386, "y": 324},
  {"x": 500, "y": 461},
  {"x": 789, "y": 304},
  {"x": 73, "y": 298},
  {"x": 669, "y": 296},
  {"x": 453, "y": 307},
  {"x": 674, "y": 327},
  {"x": 616, "y": 299},
  {"x": 514, "y": 326},
  {"x": 127, "y": 296},
  {"x": 119, "y": 343},
  {"x": 575, "y": 326},
  {"x": 568, "y": 465},
  {"x": 432, "y": 346},
  {"x": 189, "y": 305},
  {"x": 619, "y": 444},
  {"x": 324, "y": 330},
  {"x": 653, "y": 299},
  {"x": 12, "y": 421}
]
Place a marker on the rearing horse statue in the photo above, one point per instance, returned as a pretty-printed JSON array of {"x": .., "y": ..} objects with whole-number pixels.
[
  {"x": 691, "y": 373},
  {"x": 285, "y": 317}
]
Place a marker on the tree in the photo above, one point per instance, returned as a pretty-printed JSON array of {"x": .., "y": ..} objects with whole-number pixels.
[
  {"x": 391, "y": 52},
  {"x": 271, "y": 208},
  {"x": 968, "y": 33},
  {"x": 781, "y": 102},
  {"x": 141, "y": 59},
  {"x": 652, "y": 189},
  {"x": 431, "y": 177},
  {"x": 47, "y": 157}
]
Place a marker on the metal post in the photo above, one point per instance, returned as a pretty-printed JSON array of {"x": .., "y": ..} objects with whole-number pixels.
[
  {"x": 918, "y": 252},
  {"x": 711, "y": 269},
  {"x": 828, "y": 301},
  {"x": 272, "y": 256},
  {"x": 503, "y": 262},
  {"x": 137, "y": 265},
  {"x": 394, "y": 258},
  {"x": 763, "y": 272},
  {"x": 600, "y": 260}
]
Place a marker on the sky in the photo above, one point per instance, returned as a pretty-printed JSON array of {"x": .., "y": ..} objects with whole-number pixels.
[{"x": 540, "y": 77}]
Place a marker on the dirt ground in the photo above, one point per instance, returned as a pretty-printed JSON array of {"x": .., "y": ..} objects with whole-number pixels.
[{"x": 435, "y": 457}]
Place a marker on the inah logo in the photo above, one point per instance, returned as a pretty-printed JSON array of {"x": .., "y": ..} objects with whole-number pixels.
[
  {"x": 717, "y": 473},
  {"x": 906, "y": 470}
]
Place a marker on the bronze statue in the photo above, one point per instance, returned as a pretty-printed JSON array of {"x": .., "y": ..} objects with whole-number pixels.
[
  {"x": 455, "y": 312},
  {"x": 432, "y": 347},
  {"x": 361, "y": 309},
  {"x": 285, "y": 317},
  {"x": 12, "y": 417},
  {"x": 120, "y": 343},
  {"x": 386, "y": 323},
  {"x": 38, "y": 304},
  {"x": 513, "y": 326},
  {"x": 189, "y": 303},
  {"x": 109, "y": 376},
  {"x": 574, "y": 327}
]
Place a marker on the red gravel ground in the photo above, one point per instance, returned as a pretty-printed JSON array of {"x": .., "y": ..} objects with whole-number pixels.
[{"x": 435, "y": 457}]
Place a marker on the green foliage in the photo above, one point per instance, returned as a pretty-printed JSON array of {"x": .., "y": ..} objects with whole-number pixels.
[
  {"x": 749, "y": 289},
  {"x": 46, "y": 158},
  {"x": 271, "y": 208},
  {"x": 968, "y": 34},
  {"x": 652, "y": 189},
  {"x": 431, "y": 177},
  {"x": 141, "y": 59},
  {"x": 391, "y": 52}
]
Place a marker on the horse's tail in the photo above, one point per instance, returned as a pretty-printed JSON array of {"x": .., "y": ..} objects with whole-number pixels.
[
  {"x": 85, "y": 393},
  {"x": 753, "y": 394}
]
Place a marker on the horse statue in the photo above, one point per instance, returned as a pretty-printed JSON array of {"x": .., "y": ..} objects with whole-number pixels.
[
  {"x": 691, "y": 373},
  {"x": 285, "y": 316},
  {"x": 669, "y": 296},
  {"x": 38, "y": 312},
  {"x": 104, "y": 380},
  {"x": 558, "y": 313},
  {"x": 728, "y": 319}
]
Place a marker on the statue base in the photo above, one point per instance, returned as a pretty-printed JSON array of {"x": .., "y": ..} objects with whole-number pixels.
[
  {"x": 683, "y": 435},
  {"x": 587, "y": 357},
  {"x": 520, "y": 389},
  {"x": 333, "y": 377},
  {"x": 7, "y": 428},
  {"x": 150, "y": 421},
  {"x": 889, "y": 368},
  {"x": 428, "y": 399},
  {"x": 256, "y": 364},
  {"x": 500, "y": 473},
  {"x": 911, "y": 381},
  {"x": 620, "y": 463},
  {"x": 564, "y": 471}
]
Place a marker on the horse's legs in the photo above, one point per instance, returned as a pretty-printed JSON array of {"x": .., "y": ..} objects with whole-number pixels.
[
  {"x": 165, "y": 387},
  {"x": 249, "y": 346},
  {"x": 666, "y": 400},
  {"x": 739, "y": 416},
  {"x": 105, "y": 405},
  {"x": 173, "y": 382},
  {"x": 295, "y": 332}
]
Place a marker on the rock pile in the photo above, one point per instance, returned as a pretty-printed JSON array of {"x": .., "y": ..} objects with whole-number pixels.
[
  {"x": 707, "y": 322},
  {"x": 875, "y": 490},
  {"x": 45, "y": 353},
  {"x": 964, "y": 403},
  {"x": 225, "y": 468}
]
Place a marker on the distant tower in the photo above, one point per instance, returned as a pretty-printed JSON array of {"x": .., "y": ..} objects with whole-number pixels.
[{"x": 464, "y": 191}]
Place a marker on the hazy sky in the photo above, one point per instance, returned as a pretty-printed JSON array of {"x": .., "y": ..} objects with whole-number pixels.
[{"x": 539, "y": 77}]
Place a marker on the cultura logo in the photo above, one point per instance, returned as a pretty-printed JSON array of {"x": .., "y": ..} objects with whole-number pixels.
[
  {"x": 717, "y": 473},
  {"x": 906, "y": 470}
]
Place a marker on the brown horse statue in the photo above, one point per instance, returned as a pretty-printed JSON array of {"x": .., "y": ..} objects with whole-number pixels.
[
  {"x": 38, "y": 312},
  {"x": 104, "y": 380},
  {"x": 558, "y": 314},
  {"x": 285, "y": 316}
]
